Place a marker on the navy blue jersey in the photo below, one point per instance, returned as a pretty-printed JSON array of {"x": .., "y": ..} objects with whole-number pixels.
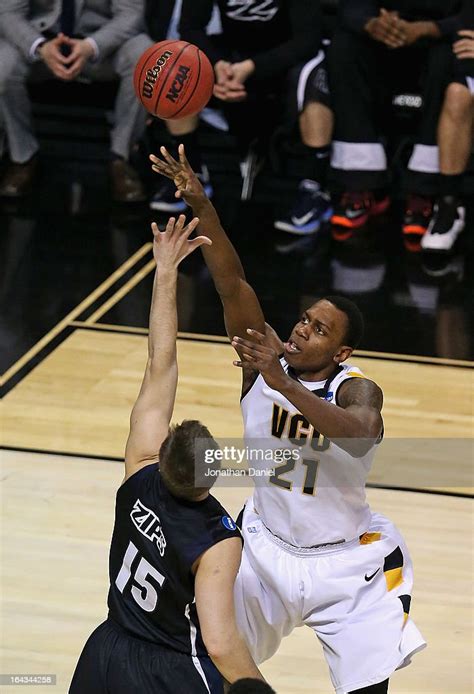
[{"x": 156, "y": 540}]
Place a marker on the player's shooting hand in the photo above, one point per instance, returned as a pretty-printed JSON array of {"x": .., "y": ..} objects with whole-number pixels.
[
  {"x": 261, "y": 357},
  {"x": 464, "y": 48},
  {"x": 172, "y": 245},
  {"x": 81, "y": 52},
  {"x": 188, "y": 186},
  {"x": 50, "y": 54}
]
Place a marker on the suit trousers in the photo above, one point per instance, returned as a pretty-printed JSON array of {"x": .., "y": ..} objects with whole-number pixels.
[{"x": 15, "y": 107}]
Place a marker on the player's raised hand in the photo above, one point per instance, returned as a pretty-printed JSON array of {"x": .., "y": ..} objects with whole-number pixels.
[
  {"x": 188, "y": 185},
  {"x": 260, "y": 356},
  {"x": 173, "y": 244}
]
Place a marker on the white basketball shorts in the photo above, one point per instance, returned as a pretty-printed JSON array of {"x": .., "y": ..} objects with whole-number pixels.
[{"x": 355, "y": 597}]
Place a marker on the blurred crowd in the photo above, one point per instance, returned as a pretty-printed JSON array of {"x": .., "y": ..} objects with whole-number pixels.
[{"x": 324, "y": 75}]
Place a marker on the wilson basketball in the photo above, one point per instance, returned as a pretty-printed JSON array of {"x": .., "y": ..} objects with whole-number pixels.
[{"x": 173, "y": 79}]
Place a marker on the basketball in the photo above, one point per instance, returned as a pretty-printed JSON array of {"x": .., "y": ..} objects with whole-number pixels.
[{"x": 173, "y": 79}]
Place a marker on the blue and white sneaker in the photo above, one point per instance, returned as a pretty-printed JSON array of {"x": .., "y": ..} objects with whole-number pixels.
[
  {"x": 165, "y": 200},
  {"x": 311, "y": 207}
]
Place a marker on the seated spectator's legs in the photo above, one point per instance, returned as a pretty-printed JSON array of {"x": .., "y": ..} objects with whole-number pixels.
[
  {"x": 310, "y": 93},
  {"x": 423, "y": 166},
  {"x": 15, "y": 112},
  {"x": 129, "y": 115},
  {"x": 454, "y": 135},
  {"x": 358, "y": 161},
  {"x": 15, "y": 116},
  {"x": 454, "y": 141}
]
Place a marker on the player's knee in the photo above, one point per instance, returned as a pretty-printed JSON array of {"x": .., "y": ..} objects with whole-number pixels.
[{"x": 457, "y": 101}]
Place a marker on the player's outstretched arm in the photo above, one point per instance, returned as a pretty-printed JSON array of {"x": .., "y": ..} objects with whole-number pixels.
[
  {"x": 214, "y": 589},
  {"x": 151, "y": 414},
  {"x": 241, "y": 306}
]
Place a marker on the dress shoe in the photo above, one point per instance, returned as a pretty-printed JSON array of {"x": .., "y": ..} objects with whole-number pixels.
[
  {"x": 126, "y": 185},
  {"x": 18, "y": 179}
]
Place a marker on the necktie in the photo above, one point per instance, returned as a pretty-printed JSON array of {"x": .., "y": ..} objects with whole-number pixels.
[{"x": 66, "y": 19}]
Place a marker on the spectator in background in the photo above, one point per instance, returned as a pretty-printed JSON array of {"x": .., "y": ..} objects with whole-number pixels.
[
  {"x": 454, "y": 141},
  {"x": 265, "y": 51},
  {"x": 69, "y": 39},
  {"x": 378, "y": 48}
]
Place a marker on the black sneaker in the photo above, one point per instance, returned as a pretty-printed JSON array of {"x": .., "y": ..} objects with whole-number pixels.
[
  {"x": 446, "y": 224},
  {"x": 416, "y": 220},
  {"x": 164, "y": 199},
  {"x": 311, "y": 207}
]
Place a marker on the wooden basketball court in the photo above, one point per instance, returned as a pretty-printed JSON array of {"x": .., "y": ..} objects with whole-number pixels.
[{"x": 64, "y": 425}]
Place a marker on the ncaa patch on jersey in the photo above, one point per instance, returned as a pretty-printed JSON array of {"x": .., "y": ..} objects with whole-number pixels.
[{"x": 228, "y": 523}]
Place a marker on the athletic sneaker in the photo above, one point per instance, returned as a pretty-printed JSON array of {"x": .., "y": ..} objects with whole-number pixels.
[
  {"x": 164, "y": 199},
  {"x": 444, "y": 228},
  {"x": 311, "y": 207},
  {"x": 355, "y": 208},
  {"x": 418, "y": 215}
]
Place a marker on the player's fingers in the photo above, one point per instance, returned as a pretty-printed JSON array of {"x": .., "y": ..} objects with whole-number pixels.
[
  {"x": 244, "y": 365},
  {"x": 248, "y": 352},
  {"x": 155, "y": 229},
  {"x": 250, "y": 344},
  {"x": 163, "y": 171},
  {"x": 258, "y": 336},
  {"x": 153, "y": 158},
  {"x": 179, "y": 226},
  {"x": 190, "y": 227},
  {"x": 467, "y": 32},
  {"x": 183, "y": 160},
  {"x": 197, "y": 242},
  {"x": 172, "y": 162},
  {"x": 170, "y": 225}
]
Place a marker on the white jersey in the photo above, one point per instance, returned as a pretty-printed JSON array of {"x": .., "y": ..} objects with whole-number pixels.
[{"x": 317, "y": 495}]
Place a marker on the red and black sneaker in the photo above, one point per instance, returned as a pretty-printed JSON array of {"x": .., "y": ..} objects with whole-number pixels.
[
  {"x": 418, "y": 215},
  {"x": 353, "y": 212}
]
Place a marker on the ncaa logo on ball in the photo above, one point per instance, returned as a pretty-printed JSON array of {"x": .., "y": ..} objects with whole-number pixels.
[
  {"x": 228, "y": 523},
  {"x": 178, "y": 83}
]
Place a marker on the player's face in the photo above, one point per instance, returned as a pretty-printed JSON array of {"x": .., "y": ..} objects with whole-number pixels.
[{"x": 317, "y": 340}]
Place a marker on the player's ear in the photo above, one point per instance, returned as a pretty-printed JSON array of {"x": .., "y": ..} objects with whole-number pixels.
[{"x": 342, "y": 354}]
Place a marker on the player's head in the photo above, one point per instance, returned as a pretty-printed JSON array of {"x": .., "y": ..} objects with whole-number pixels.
[
  {"x": 182, "y": 460},
  {"x": 327, "y": 332},
  {"x": 250, "y": 686}
]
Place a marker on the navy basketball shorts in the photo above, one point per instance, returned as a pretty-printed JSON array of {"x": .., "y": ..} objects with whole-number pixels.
[{"x": 113, "y": 662}]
